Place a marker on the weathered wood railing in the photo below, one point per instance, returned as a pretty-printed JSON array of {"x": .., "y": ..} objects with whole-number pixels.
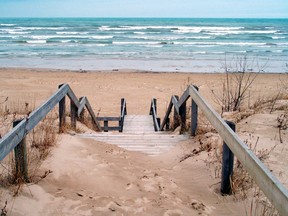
[
  {"x": 12, "y": 139},
  {"x": 267, "y": 182},
  {"x": 153, "y": 112},
  {"x": 120, "y": 119}
]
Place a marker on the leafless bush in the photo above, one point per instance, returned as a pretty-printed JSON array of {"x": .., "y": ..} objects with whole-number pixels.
[
  {"x": 282, "y": 124},
  {"x": 240, "y": 74}
]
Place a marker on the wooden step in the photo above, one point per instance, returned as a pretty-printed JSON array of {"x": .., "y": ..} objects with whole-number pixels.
[
  {"x": 138, "y": 124},
  {"x": 151, "y": 144},
  {"x": 139, "y": 135}
]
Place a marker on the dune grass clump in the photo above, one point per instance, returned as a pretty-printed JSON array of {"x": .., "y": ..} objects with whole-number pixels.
[{"x": 39, "y": 141}]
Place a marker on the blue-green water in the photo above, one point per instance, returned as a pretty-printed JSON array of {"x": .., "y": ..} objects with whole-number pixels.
[{"x": 198, "y": 45}]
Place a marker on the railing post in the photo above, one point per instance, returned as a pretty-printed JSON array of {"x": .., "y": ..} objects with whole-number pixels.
[
  {"x": 62, "y": 112},
  {"x": 155, "y": 104},
  {"x": 73, "y": 115},
  {"x": 120, "y": 125},
  {"x": 182, "y": 113},
  {"x": 175, "y": 116},
  {"x": 158, "y": 122},
  {"x": 21, "y": 158},
  {"x": 194, "y": 115},
  {"x": 167, "y": 124},
  {"x": 105, "y": 126},
  {"x": 82, "y": 114},
  {"x": 227, "y": 165},
  {"x": 122, "y": 105}
]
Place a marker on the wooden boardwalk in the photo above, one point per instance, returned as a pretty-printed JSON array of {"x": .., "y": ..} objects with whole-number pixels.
[{"x": 139, "y": 135}]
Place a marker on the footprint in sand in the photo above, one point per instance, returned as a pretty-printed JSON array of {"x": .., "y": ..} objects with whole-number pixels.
[{"x": 200, "y": 207}]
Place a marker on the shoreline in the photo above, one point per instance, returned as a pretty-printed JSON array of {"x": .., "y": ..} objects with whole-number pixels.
[
  {"x": 105, "y": 88},
  {"x": 193, "y": 65},
  {"x": 124, "y": 70}
]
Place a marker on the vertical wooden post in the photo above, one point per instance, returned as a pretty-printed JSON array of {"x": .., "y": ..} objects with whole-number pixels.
[
  {"x": 82, "y": 114},
  {"x": 159, "y": 122},
  {"x": 20, "y": 153},
  {"x": 62, "y": 113},
  {"x": 73, "y": 115},
  {"x": 175, "y": 116},
  {"x": 105, "y": 125},
  {"x": 168, "y": 124},
  {"x": 122, "y": 105},
  {"x": 182, "y": 112},
  {"x": 155, "y": 104},
  {"x": 194, "y": 115},
  {"x": 227, "y": 165},
  {"x": 120, "y": 124},
  {"x": 125, "y": 109}
]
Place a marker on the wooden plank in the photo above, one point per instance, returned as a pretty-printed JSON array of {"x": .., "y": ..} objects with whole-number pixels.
[
  {"x": 166, "y": 115},
  {"x": 268, "y": 183},
  {"x": 10, "y": 140},
  {"x": 94, "y": 120},
  {"x": 82, "y": 105},
  {"x": 153, "y": 112},
  {"x": 176, "y": 122},
  {"x": 184, "y": 98},
  {"x": 123, "y": 107},
  {"x": 175, "y": 103},
  {"x": 182, "y": 113},
  {"x": 194, "y": 116},
  {"x": 73, "y": 115},
  {"x": 62, "y": 113},
  {"x": 108, "y": 118},
  {"x": 21, "y": 162},
  {"x": 37, "y": 115},
  {"x": 106, "y": 129},
  {"x": 73, "y": 97}
]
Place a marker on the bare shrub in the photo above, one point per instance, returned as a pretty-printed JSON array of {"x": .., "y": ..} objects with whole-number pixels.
[
  {"x": 38, "y": 142},
  {"x": 240, "y": 74},
  {"x": 282, "y": 124},
  {"x": 44, "y": 136}
]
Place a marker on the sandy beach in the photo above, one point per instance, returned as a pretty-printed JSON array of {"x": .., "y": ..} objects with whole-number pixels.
[{"x": 95, "y": 178}]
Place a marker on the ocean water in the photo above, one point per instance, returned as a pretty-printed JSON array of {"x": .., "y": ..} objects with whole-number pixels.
[{"x": 168, "y": 44}]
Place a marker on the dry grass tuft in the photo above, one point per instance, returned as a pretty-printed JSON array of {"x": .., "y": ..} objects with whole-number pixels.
[{"x": 39, "y": 142}]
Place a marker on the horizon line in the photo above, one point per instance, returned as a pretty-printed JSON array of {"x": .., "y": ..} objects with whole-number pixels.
[{"x": 132, "y": 17}]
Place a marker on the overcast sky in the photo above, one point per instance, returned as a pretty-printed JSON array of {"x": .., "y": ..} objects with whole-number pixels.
[{"x": 145, "y": 8}]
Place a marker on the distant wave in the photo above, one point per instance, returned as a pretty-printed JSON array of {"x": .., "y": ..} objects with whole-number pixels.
[
  {"x": 37, "y": 41},
  {"x": 142, "y": 38},
  {"x": 7, "y": 24},
  {"x": 72, "y": 33}
]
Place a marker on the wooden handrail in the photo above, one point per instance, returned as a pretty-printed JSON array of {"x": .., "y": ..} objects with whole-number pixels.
[
  {"x": 123, "y": 112},
  {"x": 153, "y": 112},
  {"x": 9, "y": 141},
  {"x": 267, "y": 182}
]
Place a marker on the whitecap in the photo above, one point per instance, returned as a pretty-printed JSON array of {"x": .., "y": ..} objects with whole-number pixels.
[
  {"x": 101, "y": 37},
  {"x": 7, "y": 24},
  {"x": 37, "y": 41},
  {"x": 134, "y": 42},
  {"x": 278, "y": 37},
  {"x": 72, "y": 33}
]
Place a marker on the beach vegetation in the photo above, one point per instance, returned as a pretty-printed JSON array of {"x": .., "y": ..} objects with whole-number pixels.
[
  {"x": 240, "y": 74},
  {"x": 39, "y": 141}
]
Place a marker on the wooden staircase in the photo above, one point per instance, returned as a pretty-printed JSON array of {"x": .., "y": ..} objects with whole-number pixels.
[{"x": 139, "y": 135}]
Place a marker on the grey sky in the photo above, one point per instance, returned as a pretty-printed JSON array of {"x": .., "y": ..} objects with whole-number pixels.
[{"x": 144, "y": 8}]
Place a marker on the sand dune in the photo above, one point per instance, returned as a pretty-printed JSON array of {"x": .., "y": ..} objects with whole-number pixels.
[{"x": 89, "y": 177}]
